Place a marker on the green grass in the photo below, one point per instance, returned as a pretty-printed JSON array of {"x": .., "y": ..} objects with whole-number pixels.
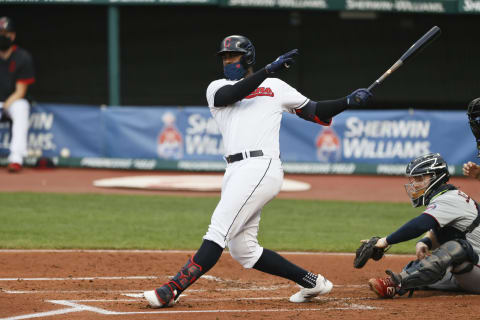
[{"x": 44, "y": 221}]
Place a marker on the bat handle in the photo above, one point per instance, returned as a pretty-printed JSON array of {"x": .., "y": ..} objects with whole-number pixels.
[
  {"x": 394, "y": 67},
  {"x": 373, "y": 85}
]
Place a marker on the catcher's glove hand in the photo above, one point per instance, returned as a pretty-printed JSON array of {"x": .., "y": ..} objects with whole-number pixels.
[{"x": 366, "y": 251}]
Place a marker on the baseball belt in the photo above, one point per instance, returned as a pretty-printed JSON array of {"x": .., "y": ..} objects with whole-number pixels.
[{"x": 239, "y": 156}]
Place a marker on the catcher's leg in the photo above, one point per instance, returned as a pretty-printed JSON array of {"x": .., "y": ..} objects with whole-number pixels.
[
  {"x": 457, "y": 255},
  {"x": 469, "y": 281},
  {"x": 448, "y": 282}
]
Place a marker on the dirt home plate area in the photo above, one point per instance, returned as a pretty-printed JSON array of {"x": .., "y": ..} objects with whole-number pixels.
[{"x": 107, "y": 284}]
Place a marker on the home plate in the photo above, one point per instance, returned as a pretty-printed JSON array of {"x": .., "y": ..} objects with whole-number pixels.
[{"x": 183, "y": 183}]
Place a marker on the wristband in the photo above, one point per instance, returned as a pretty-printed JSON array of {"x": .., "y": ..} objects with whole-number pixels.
[{"x": 427, "y": 241}]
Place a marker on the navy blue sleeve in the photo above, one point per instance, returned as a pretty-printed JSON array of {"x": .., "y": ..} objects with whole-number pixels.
[
  {"x": 322, "y": 111},
  {"x": 230, "y": 94},
  {"x": 413, "y": 228}
]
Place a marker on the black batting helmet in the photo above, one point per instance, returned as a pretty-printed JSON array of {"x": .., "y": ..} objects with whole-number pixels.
[
  {"x": 473, "y": 112},
  {"x": 6, "y": 24},
  {"x": 241, "y": 44},
  {"x": 429, "y": 164}
]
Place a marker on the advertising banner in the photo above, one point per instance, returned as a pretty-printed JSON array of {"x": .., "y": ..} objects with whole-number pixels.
[
  {"x": 187, "y": 138},
  {"x": 379, "y": 137}
]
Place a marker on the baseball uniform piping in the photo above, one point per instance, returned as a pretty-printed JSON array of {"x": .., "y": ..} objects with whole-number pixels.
[{"x": 247, "y": 199}]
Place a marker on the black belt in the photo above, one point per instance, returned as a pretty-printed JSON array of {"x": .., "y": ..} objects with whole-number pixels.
[{"x": 239, "y": 156}]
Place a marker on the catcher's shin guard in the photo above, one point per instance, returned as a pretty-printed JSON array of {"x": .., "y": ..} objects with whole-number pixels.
[{"x": 432, "y": 268}]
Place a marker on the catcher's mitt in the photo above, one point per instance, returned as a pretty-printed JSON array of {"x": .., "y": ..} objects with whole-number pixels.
[{"x": 366, "y": 251}]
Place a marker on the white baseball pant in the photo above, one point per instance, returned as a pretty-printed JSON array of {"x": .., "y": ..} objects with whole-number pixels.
[
  {"x": 247, "y": 186},
  {"x": 19, "y": 112}
]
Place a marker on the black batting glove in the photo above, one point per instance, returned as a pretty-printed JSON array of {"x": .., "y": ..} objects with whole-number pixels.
[
  {"x": 359, "y": 98},
  {"x": 282, "y": 62}
]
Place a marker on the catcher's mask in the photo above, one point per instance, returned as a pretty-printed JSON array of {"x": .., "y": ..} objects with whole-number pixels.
[
  {"x": 473, "y": 113},
  {"x": 425, "y": 173}
]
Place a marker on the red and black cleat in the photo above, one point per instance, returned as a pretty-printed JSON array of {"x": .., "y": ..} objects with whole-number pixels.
[
  {"x": 14, "y": 167},
  {"x": 383, "y": 287}
]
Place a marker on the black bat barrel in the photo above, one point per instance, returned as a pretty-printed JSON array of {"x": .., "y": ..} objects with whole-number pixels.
[{"x": 421, "y": 43}]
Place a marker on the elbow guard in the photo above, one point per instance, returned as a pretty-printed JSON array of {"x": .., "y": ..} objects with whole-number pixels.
[{"x": 309, "y": 113}]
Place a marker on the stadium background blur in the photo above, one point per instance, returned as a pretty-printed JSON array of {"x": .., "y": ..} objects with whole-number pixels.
[{"x": 167, "y": 52}]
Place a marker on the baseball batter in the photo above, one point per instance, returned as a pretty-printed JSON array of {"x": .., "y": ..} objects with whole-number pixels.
[
  {"x": 16, "y": 74},
  {"x": 450, "y": 220},
  {"x": 247, "y": 107}
]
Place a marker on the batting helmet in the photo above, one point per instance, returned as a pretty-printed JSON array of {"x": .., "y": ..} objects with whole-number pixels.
[
  {"x": 431, "y": 164},
  {"x": 6, "y": 24},
  {"x": 473, "y": 112},
  {"x": 241, "y": 44}
]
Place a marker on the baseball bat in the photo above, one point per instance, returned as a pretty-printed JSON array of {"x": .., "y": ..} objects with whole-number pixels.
[{"x": 416, "y": 48}]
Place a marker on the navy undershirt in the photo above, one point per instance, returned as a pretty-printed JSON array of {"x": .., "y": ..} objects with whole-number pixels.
[
  {"x": 324, "y": 110},
  {"x": 229, "y": 94},
  {"x": 413, "y": 228}
]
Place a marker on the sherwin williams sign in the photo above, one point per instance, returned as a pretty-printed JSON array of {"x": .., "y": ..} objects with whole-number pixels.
[
  {"x": 381, "y": 137},
  {"x": 186, "y": 138}
]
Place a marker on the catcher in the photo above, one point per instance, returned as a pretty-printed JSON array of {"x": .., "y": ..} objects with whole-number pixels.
[{"x": 450, "y": 221}]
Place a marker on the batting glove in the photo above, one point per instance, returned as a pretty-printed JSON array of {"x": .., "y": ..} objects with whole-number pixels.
[
  {"x": 359, "y": 98},
  {"x": 282, "y": 62}
]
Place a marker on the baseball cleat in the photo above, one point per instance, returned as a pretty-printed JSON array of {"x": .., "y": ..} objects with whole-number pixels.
[
  {"x": 383, "y": 287},
  {"x": 14, "y": 167},
  {"x": 306, "y": 294},
  {"x": 161, "y": 297}
]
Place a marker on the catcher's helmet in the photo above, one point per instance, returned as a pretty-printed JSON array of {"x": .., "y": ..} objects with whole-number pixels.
[
  {"x": 432, "y": 165},
  {"x": 6, "y": 24},
  {"x": 241, "y": 44},
  {"x": 473, "y": 113}
]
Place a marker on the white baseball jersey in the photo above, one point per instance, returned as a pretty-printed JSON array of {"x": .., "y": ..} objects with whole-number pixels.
[
  {"x": 253, "y": 123},
  {"x": 250, "y": 124},
  {"x": 455, "y": 209}
]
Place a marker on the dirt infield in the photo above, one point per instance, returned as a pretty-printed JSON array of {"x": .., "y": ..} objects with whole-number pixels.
[
  {"x": 106, "y": 284},
  {"x": 87, "y": 285}
]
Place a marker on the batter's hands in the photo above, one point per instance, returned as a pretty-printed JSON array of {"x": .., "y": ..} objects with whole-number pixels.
[
  {"x": 282, "y": 62},
  {"x": 359, "y": 98},
  {"x": 471, "y": 169},
  {"x": 421, "y": 250}
]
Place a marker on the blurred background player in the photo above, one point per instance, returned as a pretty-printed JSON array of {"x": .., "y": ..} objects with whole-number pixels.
[
  {"x": 450, "y": 220},
  {"x": 16, "y": 74},
  {"x": 247, "y": 107},
  {"x": 470, "y": 168}
]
